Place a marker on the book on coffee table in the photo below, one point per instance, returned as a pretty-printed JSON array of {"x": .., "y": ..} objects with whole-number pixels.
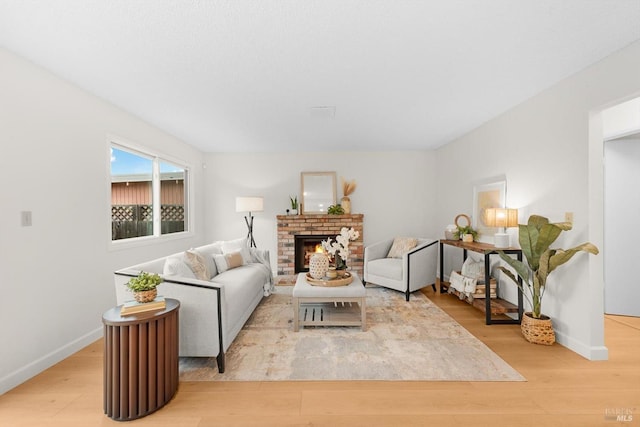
[{"x": 135, "y": 307}]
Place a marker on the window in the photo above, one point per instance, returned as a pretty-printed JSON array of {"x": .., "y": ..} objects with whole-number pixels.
[{"x": 148, "y": 195}]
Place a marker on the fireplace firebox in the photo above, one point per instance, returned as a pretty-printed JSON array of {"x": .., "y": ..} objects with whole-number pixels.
[{"x": 305, "y": 246}]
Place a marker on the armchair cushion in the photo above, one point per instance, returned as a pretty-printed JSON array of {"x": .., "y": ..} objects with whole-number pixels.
[
  {"x": 391, "y": 268},
  {"x": 401, "y": 245}
]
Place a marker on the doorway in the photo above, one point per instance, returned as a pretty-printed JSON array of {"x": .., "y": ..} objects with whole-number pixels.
[{"x": 621, "y": 131}]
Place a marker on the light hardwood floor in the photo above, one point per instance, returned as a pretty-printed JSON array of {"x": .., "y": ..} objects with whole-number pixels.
[{"x": 562, "y": 389}]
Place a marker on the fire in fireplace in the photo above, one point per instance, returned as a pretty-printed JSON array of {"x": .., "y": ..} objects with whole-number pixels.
[{"x": 305, "y": 246}]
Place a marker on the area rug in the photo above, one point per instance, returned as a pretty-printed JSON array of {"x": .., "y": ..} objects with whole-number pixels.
[{"x": 403, "y": 341}]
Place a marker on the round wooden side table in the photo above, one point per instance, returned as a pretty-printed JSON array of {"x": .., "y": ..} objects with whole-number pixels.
[{"x": 140, "y": 361}]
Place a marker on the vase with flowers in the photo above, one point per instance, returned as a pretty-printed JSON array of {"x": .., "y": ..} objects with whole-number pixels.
[
  {"x": 348, "y": 187},
  {"x": 338, "y": 249}
]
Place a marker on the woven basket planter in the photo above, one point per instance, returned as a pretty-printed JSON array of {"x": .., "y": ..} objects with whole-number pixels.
[
  {"x": 537, "y": 331},
  {"x": 145, "y": 296}
]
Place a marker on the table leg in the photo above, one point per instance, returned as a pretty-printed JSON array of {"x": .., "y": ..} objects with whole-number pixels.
[{"x": 296, "y": 314}]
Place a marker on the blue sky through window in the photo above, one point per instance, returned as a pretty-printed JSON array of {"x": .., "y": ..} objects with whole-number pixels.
[{"x": 125, "y": 163}]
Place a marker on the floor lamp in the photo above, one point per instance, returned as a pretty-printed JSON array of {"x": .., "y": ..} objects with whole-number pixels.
[{"x": 249, "y": 204}]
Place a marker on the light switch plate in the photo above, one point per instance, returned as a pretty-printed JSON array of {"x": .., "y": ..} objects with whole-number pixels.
[{"x": 568, "y": 217}]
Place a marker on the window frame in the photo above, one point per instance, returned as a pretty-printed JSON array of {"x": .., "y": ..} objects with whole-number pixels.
[{"x": 156, "y": 157}]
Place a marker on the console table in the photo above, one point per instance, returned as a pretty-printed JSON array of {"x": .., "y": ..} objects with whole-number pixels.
[
  {"x": 486, "y": 250},
  {"x": 140, "y": 361}
]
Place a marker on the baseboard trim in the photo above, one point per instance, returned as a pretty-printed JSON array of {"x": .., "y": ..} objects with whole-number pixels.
[
  {"x": 32, "y": 369},
  {"x": 588, "y": 352}
]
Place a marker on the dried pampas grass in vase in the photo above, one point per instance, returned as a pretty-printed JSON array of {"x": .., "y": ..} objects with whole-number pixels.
[{"x": 348, "y": 187}]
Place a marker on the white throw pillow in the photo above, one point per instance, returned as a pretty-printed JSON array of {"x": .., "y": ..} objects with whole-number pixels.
[
  {"x": 474, "y": 269},
  {"x": 232, "y": 245},
  {"x": 211, "y": 263},
  {"x": 175, "y": 266},
  {"x": 228, "y": 261}
]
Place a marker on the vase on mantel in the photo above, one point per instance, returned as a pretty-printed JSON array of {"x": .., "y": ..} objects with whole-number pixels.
[{"x": 345, "y": 202}]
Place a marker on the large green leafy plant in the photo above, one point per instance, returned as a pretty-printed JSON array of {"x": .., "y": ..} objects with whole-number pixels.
[{"x": 536, "y": 239}]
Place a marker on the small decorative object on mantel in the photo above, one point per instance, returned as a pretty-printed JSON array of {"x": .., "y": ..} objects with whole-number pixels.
[
  {"x": 294, "y": 204},
  {"x": 318, "y": 265},
  {"x": 339, "y": 249},
  {"x": 535, "y": 240},
  {"x": 464, "y": 232},
  {"x": 144, "y": 286},
  {"x": 348, "y": 187}
]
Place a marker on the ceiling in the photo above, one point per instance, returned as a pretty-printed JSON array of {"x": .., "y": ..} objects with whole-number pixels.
[{"x": 248, "y": 76}]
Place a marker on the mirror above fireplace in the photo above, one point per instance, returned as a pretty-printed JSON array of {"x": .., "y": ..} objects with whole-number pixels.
[{"x": 318, "y": 191}]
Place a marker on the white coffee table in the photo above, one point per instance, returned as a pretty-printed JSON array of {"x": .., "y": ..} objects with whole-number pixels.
[{"x": 329, "y": 306}]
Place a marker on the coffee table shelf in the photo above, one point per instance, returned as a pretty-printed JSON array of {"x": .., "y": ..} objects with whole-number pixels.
[{"x": 329, "y": 306}]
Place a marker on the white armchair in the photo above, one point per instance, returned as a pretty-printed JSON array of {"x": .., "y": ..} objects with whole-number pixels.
[{"x": 415, "y": 270}]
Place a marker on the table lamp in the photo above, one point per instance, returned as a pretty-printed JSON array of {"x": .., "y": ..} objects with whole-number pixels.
[
  {"x": 249, "y": 204},
  {"x": 503, "y": 218}
]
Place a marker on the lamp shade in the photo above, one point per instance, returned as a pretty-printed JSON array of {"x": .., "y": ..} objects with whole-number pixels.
[
  {"x": 249, "y": 204},
  {"x": 500, "y": 217}
]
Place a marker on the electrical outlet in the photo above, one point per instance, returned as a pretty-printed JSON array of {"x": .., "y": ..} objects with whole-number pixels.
[
  {"x": 568, "y": 217},
  {"x": 25, "y": 218}
]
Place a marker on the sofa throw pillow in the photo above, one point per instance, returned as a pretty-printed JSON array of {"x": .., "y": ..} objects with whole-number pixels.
[
  {"x": 175, "y": 266},
  {"x": 401, "y": 245},
  {"x": 238, "y": 245},
  {"x": 473, "y": 268},
  {"x": 232, "y": 245},
  {"x": 197, "y": 264},
  {"x": 228, "y": 261},
  {"x": 211, "y": 263}
]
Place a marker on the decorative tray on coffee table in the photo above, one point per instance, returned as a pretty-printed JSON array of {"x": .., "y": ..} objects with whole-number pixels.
[{"x": 338, "y": 281}]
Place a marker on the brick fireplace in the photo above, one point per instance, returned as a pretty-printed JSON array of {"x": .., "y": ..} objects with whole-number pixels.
[{"x": 315, "y": 227}]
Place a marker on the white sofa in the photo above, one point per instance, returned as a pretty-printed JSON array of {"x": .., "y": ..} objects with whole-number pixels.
[
  {"x": 213, "y": 311},
  {"x": 415, "y": 269}
]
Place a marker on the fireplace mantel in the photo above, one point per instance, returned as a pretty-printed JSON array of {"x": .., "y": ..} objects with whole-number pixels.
[{"x": 291, "y": 225}]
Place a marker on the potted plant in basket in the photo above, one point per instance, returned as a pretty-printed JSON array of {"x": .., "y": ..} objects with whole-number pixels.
[
  {"x": 144, "y": 286},
  {"x": 535, "y": 240}
]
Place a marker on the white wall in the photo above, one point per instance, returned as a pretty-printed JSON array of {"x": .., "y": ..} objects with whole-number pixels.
[
  {"x": 543, "y": 146},
  {"x": 395, "y": 191},
  {"x": 622, "y": 119},
  {"x": 57, "y": 275}
]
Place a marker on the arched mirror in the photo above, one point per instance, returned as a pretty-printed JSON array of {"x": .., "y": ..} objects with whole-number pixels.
[{"x": 318, "y": 191}]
